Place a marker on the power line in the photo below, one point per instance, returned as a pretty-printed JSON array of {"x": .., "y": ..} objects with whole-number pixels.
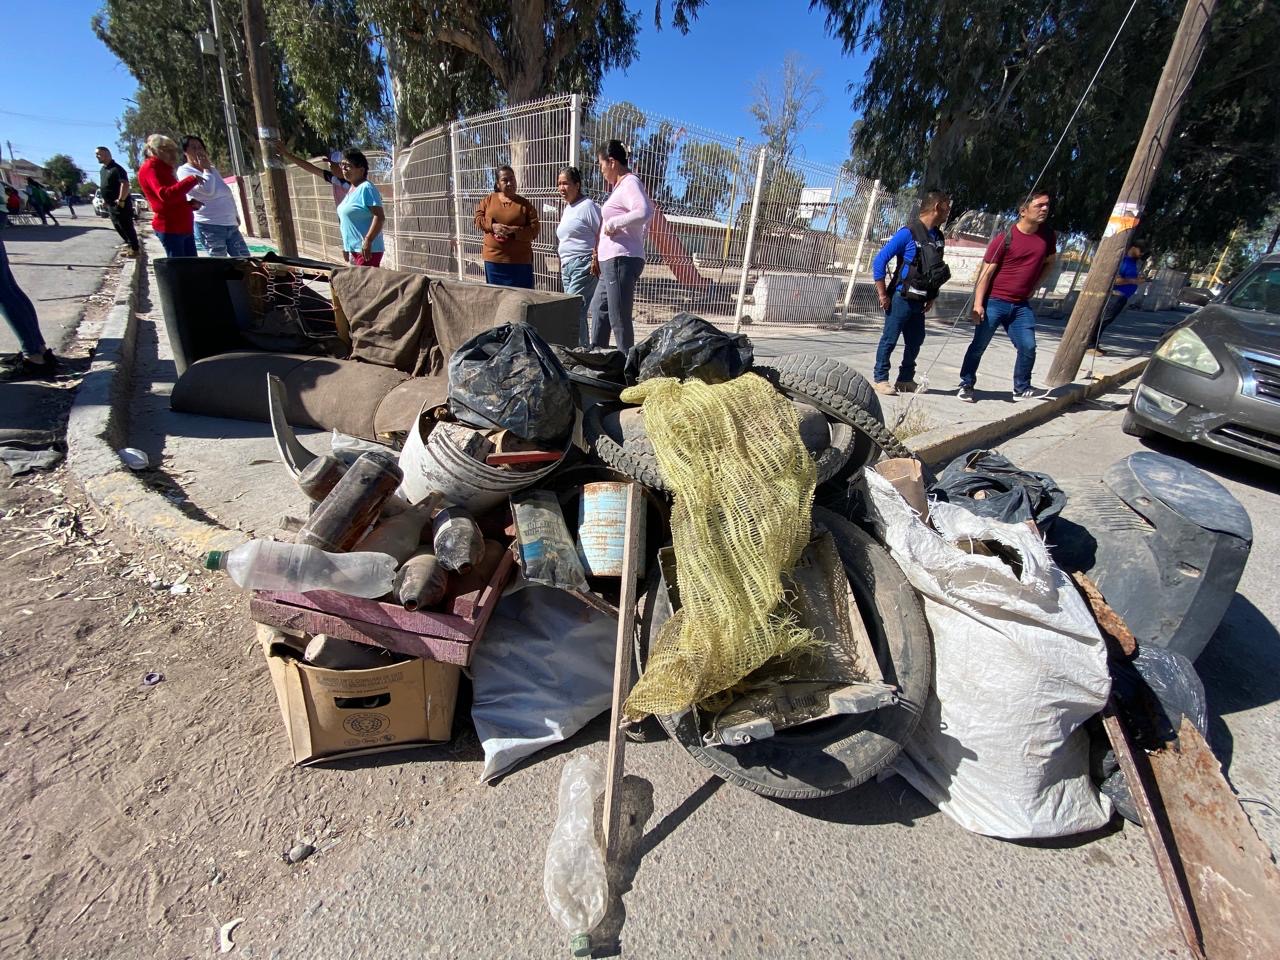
[{"x": 44, "y": 119}]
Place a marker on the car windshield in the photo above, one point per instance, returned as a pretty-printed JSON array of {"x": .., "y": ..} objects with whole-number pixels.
[{"x": 1260, "y": 291}]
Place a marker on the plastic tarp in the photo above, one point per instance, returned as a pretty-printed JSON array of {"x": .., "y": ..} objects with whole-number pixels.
[
  {"x": 688, "y": 346},
  {"x": 544, "y": 671},
  {"x": 990, "y": 485},
  {"x": 1019, "y": 667}
]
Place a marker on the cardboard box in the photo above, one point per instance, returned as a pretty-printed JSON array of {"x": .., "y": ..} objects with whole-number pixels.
[{"x": 330, "y": 714}]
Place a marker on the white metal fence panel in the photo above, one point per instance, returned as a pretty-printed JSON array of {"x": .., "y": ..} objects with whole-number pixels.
[{"x": 424, "y": 210}]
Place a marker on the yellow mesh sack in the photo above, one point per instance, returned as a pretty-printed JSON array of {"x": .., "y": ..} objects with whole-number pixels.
[{"x": 743, "y": 485}]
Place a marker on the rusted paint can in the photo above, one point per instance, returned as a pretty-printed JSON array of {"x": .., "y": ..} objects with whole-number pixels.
[{"x": 602, "y": 520}]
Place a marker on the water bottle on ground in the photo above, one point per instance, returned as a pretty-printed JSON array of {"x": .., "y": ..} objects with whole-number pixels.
[
  {"x": 574, "y": 879},
  {"x": 298, "y": 568}
]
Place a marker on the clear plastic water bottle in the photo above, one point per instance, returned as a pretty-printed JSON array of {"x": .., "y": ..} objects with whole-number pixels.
[
  {"x": 574, "y": 878},
  {"x": 295, "y": 567}
]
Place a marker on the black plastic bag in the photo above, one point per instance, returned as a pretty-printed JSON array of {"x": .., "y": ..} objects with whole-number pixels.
[
  {"x": 595, "y": 366},
  {"x": 510, "y": 377},
  {"x": 688, "y": 346},
  {"x": 989, "y": 485}
]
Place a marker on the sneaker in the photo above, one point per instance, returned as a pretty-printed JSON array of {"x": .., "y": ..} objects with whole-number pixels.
[
  {"x": 1031, "y": 393},
  {"x": 128, "y": 254},
  {"x": 966, "y": 394},
  {"x": 885, "y": 388},
  {"x": 1097, "y": 351},
  {"x": 907, "y": 386}
]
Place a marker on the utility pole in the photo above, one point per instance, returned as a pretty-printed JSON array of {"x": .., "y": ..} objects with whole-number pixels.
[
  {"x": 1162, "y": 119},
  {"x": 275, "y": 183}
]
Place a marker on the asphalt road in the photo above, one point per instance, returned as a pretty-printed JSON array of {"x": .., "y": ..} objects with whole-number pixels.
[{"x": 58, "y": 267}]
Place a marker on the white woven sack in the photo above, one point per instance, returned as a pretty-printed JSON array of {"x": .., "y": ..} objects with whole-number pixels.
[{"x": 1019, "y": 666}]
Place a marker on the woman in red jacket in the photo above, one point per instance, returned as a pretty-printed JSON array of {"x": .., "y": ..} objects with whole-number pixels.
[{"x": 173, "y": 216}]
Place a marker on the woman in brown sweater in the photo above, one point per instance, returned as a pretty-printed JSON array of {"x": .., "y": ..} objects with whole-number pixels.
[{"x": 509, "y": 223}]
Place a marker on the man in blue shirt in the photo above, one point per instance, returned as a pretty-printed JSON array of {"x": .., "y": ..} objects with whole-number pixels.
[
  {"x": 902, "y": 317},
  {"x": 1123, "y": 287}
]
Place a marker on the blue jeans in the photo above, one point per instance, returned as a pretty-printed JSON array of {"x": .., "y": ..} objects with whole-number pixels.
[
  {"x": 905, "y": 319},
  {"x": 221, "y": 241},
  {"x": 575, "y": 277},
  {"x": 613, "y": 300},
  {"x": 18, "y": 309},
  {"x": 1020, "y": 323},
  {"x": 177, "y": 244}
]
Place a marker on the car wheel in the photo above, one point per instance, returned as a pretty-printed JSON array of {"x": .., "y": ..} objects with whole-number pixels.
[
  {"x": 828, "y": 756},
  {"x": 1131, "y": 426}
]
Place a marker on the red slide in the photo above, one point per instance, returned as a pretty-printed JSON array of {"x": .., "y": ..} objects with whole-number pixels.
[{"x": 673, "y": 253}]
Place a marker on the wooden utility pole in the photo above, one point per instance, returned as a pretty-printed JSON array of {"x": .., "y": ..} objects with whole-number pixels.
[
  {"x": 1162, "y": 119},
  {"x": 262, "y": 82}
]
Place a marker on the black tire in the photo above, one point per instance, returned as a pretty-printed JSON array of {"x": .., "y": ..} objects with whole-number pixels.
[
  {"x": 1134, "y": 429},
  {"x": 841, "y": 392},
  {"x": 829, "y": 756},
  {"x": 635, "y": 457}
]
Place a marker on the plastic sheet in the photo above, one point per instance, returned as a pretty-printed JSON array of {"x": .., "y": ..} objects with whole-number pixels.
[
  {"x": 510, "y": 377},
  {"x": 688, "y": 346},
  {"x": 989, "y": 485},
  {"x": 544, "y": 671}
]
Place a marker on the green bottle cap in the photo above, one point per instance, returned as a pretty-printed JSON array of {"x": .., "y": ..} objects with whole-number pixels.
[
  {"x": 213, "y": 560},
  {"x": 581, "y": 945}
]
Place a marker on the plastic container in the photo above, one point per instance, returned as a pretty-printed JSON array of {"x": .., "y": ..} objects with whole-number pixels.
[
  {"x": 574, "y": 879},
  {"x": 299, "y": 568},
  {"x": 438, "y": 463},
  {"x": 422, "y": 581},
  {"x": 457, "y": 539},
  {"x": 353, "y": 505}
]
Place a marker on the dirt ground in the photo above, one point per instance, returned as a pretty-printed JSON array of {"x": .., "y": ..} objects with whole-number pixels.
[{"x": 141, "y": 818}]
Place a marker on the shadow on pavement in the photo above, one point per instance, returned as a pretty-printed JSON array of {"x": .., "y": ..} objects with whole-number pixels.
[
  {"x": 40, "y": 234},
  {"x": 876, "y": 802}
]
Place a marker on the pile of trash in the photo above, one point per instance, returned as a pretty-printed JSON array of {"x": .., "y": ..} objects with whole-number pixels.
[{"x": 805, "y": 610}]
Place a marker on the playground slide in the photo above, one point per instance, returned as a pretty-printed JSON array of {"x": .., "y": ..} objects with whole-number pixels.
[{"x": 673, "y": 253}]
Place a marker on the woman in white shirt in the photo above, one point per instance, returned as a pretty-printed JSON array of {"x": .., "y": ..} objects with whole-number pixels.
[
  {"x": 217, "y": 222},
  {"x": 576, "y": 237}
]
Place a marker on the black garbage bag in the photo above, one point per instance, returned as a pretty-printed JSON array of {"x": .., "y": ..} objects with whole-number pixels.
[
  {"x": 989, "y": 485},
  {"x": 688, "y": 346},
  {"x": 510, "y": 377},
  {"x": 594, "y": 365}
]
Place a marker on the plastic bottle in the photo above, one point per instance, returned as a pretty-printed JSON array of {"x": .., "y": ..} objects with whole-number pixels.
[
  {"x": 401, "y": 534},
  {"x": 267, "y": 565},
  {"x": 421, "y": 582},
  {"x": 458, "y": 541},
  {"x": 574, "y": 879},
  {"x": 353, "y": 505}
]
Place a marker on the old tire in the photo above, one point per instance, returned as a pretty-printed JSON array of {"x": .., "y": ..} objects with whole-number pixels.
[
  {"x": 1131, "y": 426},
  {"x": 829, "y": 756},
  {"x": 840, "y": 392},
  {"x": 634, "y": 456}
]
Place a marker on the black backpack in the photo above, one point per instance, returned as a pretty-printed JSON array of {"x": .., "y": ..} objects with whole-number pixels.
[{"x": 925, "y": 275}]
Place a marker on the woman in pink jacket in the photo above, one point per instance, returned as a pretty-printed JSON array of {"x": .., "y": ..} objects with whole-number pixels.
[{"x": 619, "y": 256}]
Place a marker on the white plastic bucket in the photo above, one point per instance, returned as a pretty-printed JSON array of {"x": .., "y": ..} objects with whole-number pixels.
[{"x": 438, "y": 464}]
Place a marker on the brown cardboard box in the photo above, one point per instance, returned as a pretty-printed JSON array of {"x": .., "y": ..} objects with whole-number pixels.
[{"x": 329, "y": 714}]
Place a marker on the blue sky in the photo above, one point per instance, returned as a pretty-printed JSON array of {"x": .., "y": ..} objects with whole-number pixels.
[{"x": 64, "y": 93}]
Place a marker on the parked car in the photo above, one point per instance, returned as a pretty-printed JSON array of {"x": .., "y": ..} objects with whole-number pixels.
[
  {"x": 140, "y": 205},
  {"x": 99, "y": 205},
  {"x": 1214, "y": 379}
]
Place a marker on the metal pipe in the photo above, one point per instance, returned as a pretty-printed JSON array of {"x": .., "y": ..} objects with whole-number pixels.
[
  {"x": 234, "y": 148},
  {"x": 457, "y": 199},
  {"x": 751, "y": 241},
  {"x": 862, "y": 240}
]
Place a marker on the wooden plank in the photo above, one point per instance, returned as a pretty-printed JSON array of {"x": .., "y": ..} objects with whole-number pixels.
[
  {"x": 451, "y": 648},
  {"x": 1137, "y": 776},
  {"x": 1233, "y": 882},
  {"x": 622, "y": 666}
]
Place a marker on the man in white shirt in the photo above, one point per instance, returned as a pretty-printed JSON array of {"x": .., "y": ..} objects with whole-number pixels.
[{"x": 217, "y": 222}]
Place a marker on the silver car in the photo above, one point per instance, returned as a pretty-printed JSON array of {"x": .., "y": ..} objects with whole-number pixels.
[{"x": 1214, "y": 379}]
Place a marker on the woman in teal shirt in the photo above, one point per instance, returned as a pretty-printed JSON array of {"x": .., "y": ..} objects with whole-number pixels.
[{"x": 360, "y": 213}]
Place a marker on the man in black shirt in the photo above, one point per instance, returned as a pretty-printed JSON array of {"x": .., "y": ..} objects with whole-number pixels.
[{"x": 114, "y": 183}]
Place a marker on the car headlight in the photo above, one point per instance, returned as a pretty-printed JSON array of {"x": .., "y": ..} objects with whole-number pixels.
[{"x": 1186, "y": 349}]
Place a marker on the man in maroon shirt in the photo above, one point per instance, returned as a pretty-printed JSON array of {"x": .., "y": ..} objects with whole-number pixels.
[{"x": 1012, "y": 268}]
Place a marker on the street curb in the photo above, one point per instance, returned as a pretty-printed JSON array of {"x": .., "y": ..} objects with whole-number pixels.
[
  {"x": 98, "y": 425},
  {"x": 946, "y": 443}
]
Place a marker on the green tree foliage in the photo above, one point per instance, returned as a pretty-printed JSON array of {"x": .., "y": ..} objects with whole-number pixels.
[
  {"x": 63, "y": 173},
  {"x": 972, "y": 97},
  {"x": 710, "y": 172}
]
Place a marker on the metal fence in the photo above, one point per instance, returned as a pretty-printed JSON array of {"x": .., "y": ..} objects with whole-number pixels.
[{"x": 740, "y": 233}]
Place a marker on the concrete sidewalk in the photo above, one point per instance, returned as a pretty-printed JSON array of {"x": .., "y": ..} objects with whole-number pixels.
[{"x": 214, "y": 482}]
